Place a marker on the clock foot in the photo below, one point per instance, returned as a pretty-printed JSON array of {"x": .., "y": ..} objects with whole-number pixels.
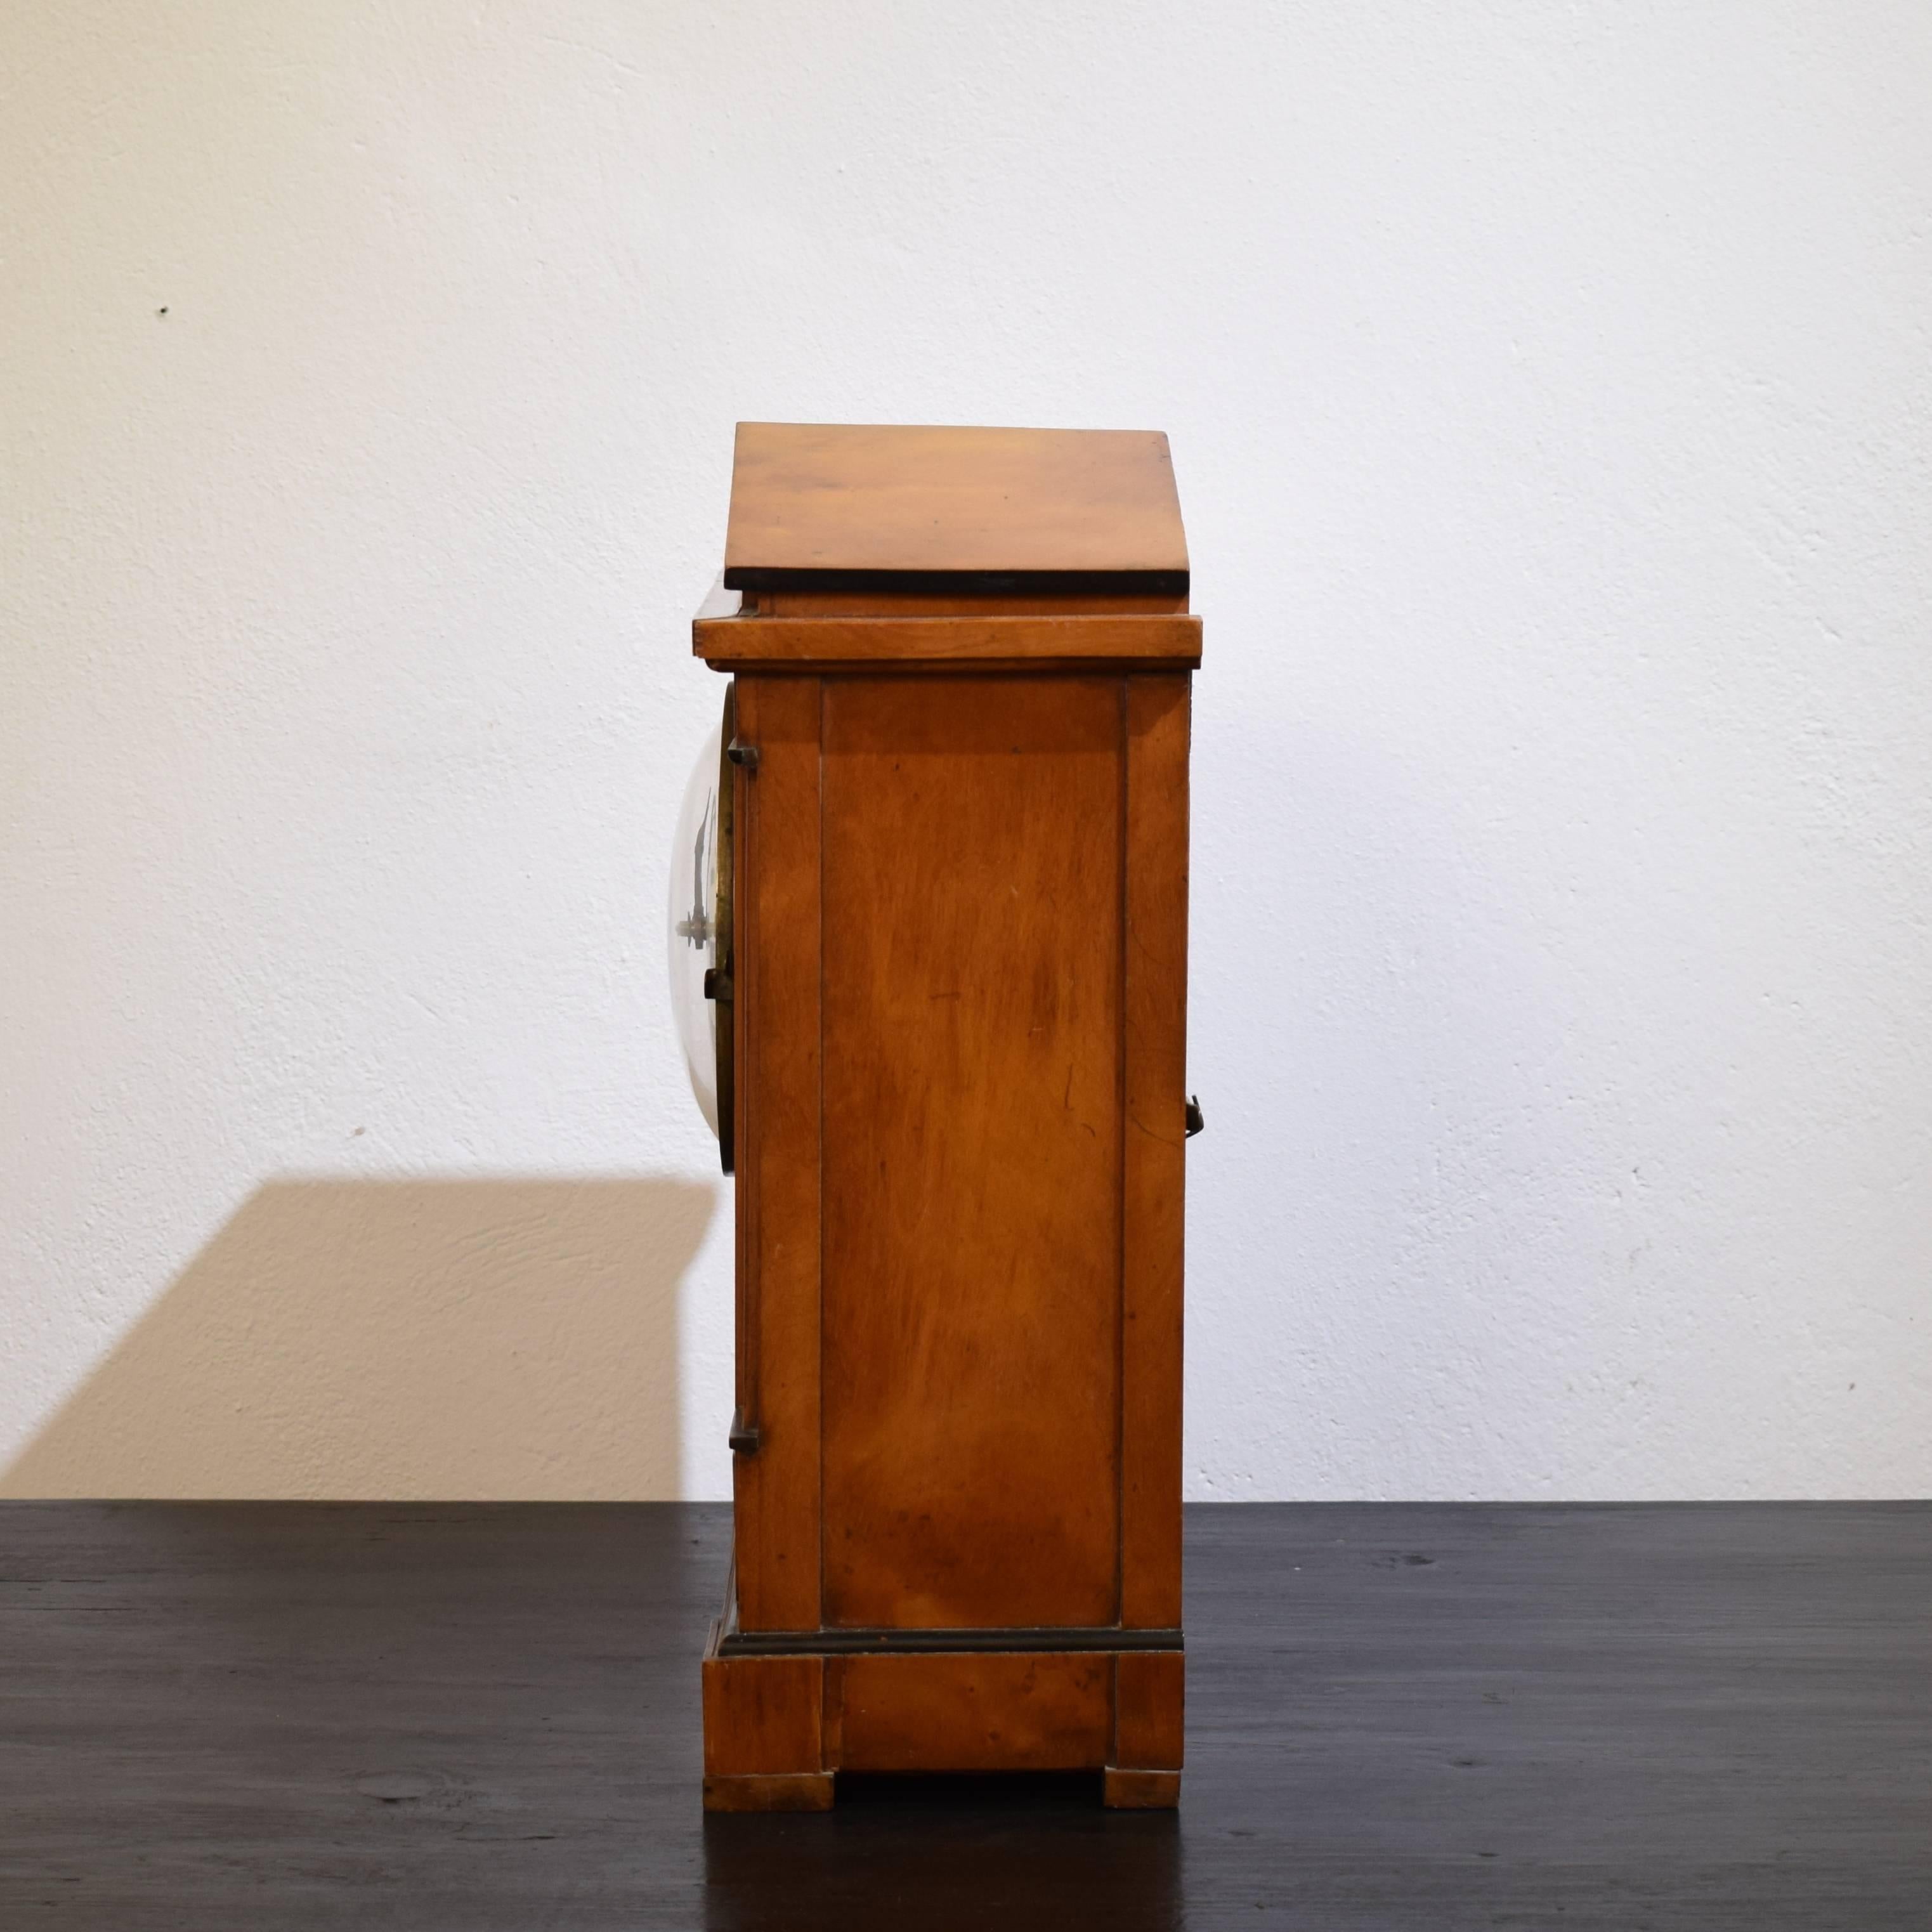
[
  {"x": 1140, "y": 1790},
  {"x": 778, "y": 1791}
]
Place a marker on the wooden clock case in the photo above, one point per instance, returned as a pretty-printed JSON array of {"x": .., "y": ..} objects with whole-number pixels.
[{"x": 957, "y": 980}]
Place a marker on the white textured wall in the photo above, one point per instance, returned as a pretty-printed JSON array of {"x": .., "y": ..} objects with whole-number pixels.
[{"x": 1551, "y": 394}]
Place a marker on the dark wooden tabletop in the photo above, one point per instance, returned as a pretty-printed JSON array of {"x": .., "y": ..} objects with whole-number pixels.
[{"x": 266, "y": 1715}]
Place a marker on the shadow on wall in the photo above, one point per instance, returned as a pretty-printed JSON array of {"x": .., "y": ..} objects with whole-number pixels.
[{"x": 405, "y": 1340}]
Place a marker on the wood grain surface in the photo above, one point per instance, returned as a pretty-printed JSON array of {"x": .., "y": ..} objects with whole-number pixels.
[
  {"x": 1041, "y": 641},
  {"x": 972, "y": 1151},
  {"x": 763, "y": 1716},
  {"x": 776, "y": 1012},
  {"x": 1008, "y": 1712},
  {"x": 1703, "y": 1718},
  {"x": 772, "y": 1791},
  {"x": 814, "y": 502},
  {"x": 1149, "y": 1707},
  {"x": 1154, "y": 1160},
  {"x": 1125, "y": 1790}
]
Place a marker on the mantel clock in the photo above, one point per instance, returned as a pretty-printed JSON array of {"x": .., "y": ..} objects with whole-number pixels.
[{"x": 930, "y": 920}]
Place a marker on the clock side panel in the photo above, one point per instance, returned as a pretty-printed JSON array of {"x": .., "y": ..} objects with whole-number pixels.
[{"x": 974, "y": 1060}]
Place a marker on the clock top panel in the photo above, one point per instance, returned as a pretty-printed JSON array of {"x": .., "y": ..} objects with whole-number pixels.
[{"x": 857, "y": 507}]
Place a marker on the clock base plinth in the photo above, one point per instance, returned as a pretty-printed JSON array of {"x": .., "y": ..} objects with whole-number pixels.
[{"x": 780, "y": 1723}]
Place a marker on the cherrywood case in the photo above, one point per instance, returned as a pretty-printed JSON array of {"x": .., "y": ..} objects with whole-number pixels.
[{"x": 958, "y": 986}]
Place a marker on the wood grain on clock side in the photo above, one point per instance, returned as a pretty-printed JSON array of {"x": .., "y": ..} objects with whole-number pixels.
[
  {"x": 814, "y": 499},
  {"x": 973, "y": 1127},
  {"x": 1009, "y": 1710},
  {"x": 776, "y": 1490},
  {"x": 1150, "y": 1702},
  {"x": 968, "y": 640},
  {"x": 1155, "y": 1165}
]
